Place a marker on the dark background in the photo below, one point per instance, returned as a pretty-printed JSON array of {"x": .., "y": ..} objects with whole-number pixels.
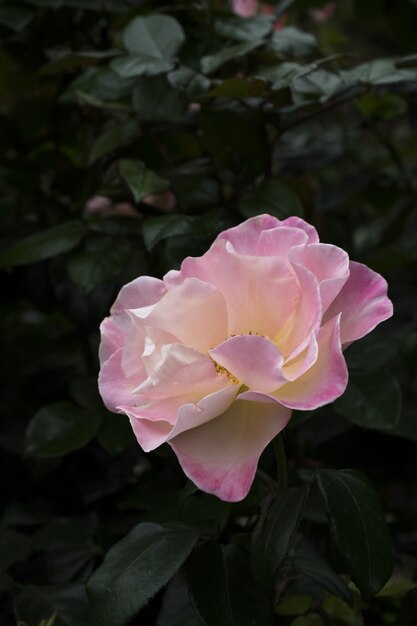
[{"x": 106, "y": 176}]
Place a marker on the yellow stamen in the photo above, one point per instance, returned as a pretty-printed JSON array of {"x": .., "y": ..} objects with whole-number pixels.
[{"x": 222, "y": 370}]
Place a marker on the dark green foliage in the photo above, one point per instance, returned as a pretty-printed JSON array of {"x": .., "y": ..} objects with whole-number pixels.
[
  {"x": 273, "y": 537},
  {"x": 359, "y": 528},
  {"x": 131, "y": 133},
  {"x": 135, "y": 569},
  {"x": 222, "y": 589}
]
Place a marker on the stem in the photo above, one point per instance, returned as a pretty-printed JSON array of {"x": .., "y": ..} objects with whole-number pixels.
[{"x": 281, "y": 460}]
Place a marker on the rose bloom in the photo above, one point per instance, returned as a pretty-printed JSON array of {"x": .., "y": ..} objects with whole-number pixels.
[
  {"x": 213, "y": 358},
  {"x": 245, "y": 8}
]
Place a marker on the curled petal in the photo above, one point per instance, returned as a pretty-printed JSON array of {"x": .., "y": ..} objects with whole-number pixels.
[
  {"x": 114, "y": 387},
  {"x": 254, "y": 361},
  {"x": 294, "y": 368},
  {"x": 156, "y": 423},
  {"x": 221, "y": 456},
  {"x": 307, "y": 315},
  {"x": 279, "y": 241},
  {"x": 244, "y": 237},
  {"x": 297, "y": 222},
  {"x": 326, "y": 380},
  {"x": 363, "y": 303},
  {"x": 328, "y": 263},
  {"x": 149, "y": 434},
  {"x": 140, "y": 292},
  {"x": 112, "y": 338},
  {"x": 195, "y": 312}
]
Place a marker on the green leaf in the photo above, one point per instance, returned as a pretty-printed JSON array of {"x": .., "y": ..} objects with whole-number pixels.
[
  {"x": 222, "y": 589},
  {"x": 157, "y": 36},
  {"x": 176, "y": 609},
  {"x": 44, "y": 245},
  {"x": 16, "y": 15},
  {"x": 271, "y": 197},
  {"x": 293, "y": 605},
  {"x": 213, "y": 62},
  {"x": 359, "y": 528},
  {"x": 292, "y": 42},
  {"x": 371, "y": 400},
  {"x": 283, "y": 74},
  {"x": 73, "y": 60},
  {"x": 132, "y": 65},
  {"x": 135, "y": 569},
  {"x": 153, "y": 42},
  {"x": 36, "y": 603},
  {"x": 58, "y": 429},
  {"x": 396, "y": 586},
  {"x": 155, "y": 99},
  {"x": 272, "y": 538},
  {"x": 377, "y": 72},
  {"x": 101, "y": 84},
  {"x": 244, "y": 29},
  {"x": 190, "y": 82},
  {"x": 140, "y": 180},
  {"x": 113, "y": 138},
  {"x": 158, "y": 228},
  {"x": 310, "y": 563},
  {"x": 318, "y": 83},
  {"x": 341, "y": 613},
  {"x": 376, "y": 350},
  {"x": 99, "y": 262}
]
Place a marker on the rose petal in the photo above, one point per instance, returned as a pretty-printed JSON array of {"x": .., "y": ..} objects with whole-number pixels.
[
  {"x": 307, "y": 316},
  {"x": 133, "y": 345},
  {"x": 155, "y": 342},
  {"x": 244, "y": 237},
  {"x": 261, "y": 293},
  {"x": 112, "y": 338},
  {"x": 149, "y": 434},
  {"x": 294, "y": 368},
  {"x": 297, "y": 222},
  {"x": 180, "y": 371},
  {"x": 140, "y": 292},
  {"x": 176, "y": 415},
  {"x": 195, "y": 312},
  {"x": 326, "y": 380},
  {"x": 114, "y": 387},
  {"x": 362, "y": 301},
  {"x": 221, "y": 456},
  {"x": 328, "y": 263},
  {"x": 278, "y": 241},
  {"x": 254, "y": 361}
]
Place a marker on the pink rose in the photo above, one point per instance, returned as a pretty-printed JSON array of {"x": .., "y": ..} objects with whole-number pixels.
[
  {"x": 245, "y": 8},
  {"x": 213, "y": 358},
  {"x": 104, "y": 207},
  {"x": 325, "y": 13}
]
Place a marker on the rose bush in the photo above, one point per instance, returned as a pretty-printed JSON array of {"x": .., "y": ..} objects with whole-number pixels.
[{"x": 213, "y": 358}]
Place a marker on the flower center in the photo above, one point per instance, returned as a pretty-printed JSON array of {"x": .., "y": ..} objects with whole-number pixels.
[{"x": 222, "y": 370}]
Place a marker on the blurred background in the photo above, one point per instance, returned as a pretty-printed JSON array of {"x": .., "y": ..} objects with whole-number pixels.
[{"x": 120, "y": 157}]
